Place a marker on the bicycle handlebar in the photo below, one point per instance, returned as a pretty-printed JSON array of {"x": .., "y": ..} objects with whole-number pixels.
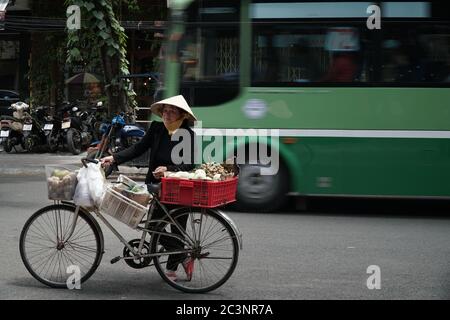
[{"x": 84, "y": 160}]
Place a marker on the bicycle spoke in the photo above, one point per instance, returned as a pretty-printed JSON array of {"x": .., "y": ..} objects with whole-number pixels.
[
  {"x": 47, "y": 258},
  {"x": 41, "y": 228},
  {"x": 79, "y": 254},
  {"x": 214, "y": 252},
  {"x": 193, "y": 225}
]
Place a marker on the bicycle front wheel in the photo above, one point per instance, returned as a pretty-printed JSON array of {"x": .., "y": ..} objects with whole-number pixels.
[
  {"x": 205, "y": 261},
  {"x": 47, "y": 250}
]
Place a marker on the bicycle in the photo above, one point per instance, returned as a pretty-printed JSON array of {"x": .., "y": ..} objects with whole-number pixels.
[{"x": 63, "y": 234}]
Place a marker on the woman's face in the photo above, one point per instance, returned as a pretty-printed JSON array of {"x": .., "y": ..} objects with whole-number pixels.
[{"x": 170, "y": 114}]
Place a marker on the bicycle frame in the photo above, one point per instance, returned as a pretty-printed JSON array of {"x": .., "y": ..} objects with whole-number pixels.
[
  {"x": 145, "y": 230},
  {"x": 103, "y": 145}
]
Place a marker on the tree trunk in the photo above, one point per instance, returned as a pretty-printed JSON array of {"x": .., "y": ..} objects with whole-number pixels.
[
  {"x": 54, "y": 76},
  {"x": 116, "y": 96}
]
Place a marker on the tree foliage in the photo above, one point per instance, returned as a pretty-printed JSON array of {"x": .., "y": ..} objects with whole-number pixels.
[
  {"x": 102, "y": 38},
  {"x": 46, "y": 72},
  {"x": 101, "y": 44}
]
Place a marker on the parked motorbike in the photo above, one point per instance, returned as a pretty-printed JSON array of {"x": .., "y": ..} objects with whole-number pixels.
[
  {"x": 91, "y": 120},
  {"x": 116, "y": 136},
  {"x": 68, "y": 129},
  {"x": 47, "y": 123},
  {"x": 11, "y": 133},
  {"x": 5, "y": 128},
  {"x": 53, "y": 132},
  {"x": 72, "y": 131},
  {"x": 33, "y": 130}
]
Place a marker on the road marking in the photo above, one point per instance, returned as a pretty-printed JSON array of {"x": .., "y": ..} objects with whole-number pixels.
[{"x": 430, "y": 134}]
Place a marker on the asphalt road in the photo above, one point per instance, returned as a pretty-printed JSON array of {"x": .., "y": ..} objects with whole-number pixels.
[{"x": 320, "y": 254}]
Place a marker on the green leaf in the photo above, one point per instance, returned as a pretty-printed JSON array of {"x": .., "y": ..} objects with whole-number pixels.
[
  {"x": 98, "y": 14},
  {"x": 101, "y": 25},
  {"x": 124, "y": 70},
  {"x": 74, "y": 54},
  {"x": 104, "y": 35},
  {"x": 89, "y": 5},
  {"x": 115, "y": 24},
  {"x": 74, "y": 38},
  {"x": 111, "y": 52},
  {"x": 110, "y": 42}
]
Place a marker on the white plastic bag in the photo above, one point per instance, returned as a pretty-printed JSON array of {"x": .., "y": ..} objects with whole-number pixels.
[
  {"x": 82, "y": 196},
  {"x": 96, "y": 182}
]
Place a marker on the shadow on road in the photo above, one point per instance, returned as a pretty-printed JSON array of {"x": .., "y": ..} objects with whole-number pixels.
[{"x": 121, "y": 287}]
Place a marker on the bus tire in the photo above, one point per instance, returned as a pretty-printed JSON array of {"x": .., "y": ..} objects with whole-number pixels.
[{"x": 261, "y": 193}]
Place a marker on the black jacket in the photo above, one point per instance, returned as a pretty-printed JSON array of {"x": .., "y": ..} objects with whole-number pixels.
[{"x": 151, "y": 141}]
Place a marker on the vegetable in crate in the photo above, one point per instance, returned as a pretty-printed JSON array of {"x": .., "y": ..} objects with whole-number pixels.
[
  {"x": 207, "y": 171},
  {"x": 136, "y": 193},
  {"x": 199, "y": 174},
  {"x": 217, "y": 171}
]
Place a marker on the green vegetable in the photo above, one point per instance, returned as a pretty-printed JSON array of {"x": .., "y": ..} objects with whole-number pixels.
[
  {"x": 136, "y": 189},
  {"x": 60, "y": 173}
]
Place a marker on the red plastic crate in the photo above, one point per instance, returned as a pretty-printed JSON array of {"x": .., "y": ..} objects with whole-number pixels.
[{"x": 198, "y": 193}]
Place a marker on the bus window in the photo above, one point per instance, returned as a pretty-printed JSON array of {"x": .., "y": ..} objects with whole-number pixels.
[
  {"x": 296, "y": 55},
  {"x": 209, "y": 54},
  {"x": 416, "y": 55}
]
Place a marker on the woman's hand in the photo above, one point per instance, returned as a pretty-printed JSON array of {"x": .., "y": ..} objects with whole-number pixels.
[
  {"x": 159, "y": 172},
  {"x": 107, "y": 161}
]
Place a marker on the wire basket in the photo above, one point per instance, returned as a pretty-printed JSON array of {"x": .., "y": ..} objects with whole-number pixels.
[
  {"x": 121, "y": 207},
  {"x": 61, "y": 181}
]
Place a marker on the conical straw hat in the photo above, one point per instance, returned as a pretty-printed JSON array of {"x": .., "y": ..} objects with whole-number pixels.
[{"x": 176, "y": 101}]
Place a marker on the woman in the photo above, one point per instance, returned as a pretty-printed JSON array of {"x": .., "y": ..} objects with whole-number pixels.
[{"x": 176, "y": 114}]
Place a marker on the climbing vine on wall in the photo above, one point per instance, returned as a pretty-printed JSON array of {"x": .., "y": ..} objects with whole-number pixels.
[{"x": 102, "y": 37}]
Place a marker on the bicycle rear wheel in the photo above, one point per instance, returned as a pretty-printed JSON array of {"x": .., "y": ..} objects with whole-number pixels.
[
  {"x": 47, "y": 252},
  {"x": 211, "y": 259}
]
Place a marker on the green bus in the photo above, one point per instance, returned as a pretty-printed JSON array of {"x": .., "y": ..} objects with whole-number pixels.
[{"x": 361, "y": 109}]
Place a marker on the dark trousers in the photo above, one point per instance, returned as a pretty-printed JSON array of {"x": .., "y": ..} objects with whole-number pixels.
[{"x": 170, "y": 243}]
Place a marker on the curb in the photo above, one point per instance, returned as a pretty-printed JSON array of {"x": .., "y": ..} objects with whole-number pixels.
[
  {"x": 21, "y": 171},
  {"x": 40, "y": 171}
]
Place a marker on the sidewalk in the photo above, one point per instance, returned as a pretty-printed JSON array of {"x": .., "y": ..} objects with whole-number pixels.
[{"x": 27, "y": 164}]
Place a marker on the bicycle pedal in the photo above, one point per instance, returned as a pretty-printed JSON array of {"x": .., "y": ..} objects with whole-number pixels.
[{"x": 116, "y": 259}]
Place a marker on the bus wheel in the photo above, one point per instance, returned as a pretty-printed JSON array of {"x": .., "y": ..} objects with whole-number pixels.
[{"x": 263, "y": 193}]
